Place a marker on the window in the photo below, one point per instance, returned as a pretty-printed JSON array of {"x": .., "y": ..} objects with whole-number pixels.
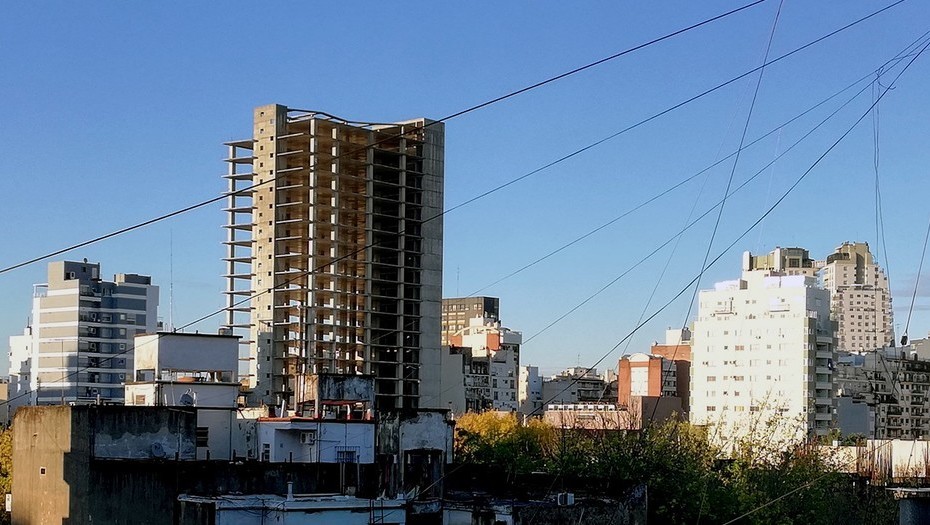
[
  {"x": 346, "y": 456},
  {"x": 203, "y": 436}
]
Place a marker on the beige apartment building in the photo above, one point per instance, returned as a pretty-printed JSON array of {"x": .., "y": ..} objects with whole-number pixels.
[
  {"x": 860, "y": 298},
  {"x": 334, "y": 231}
]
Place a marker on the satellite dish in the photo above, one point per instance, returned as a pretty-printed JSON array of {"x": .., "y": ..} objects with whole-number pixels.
[
  {"x": 186, "y": 399},
  {"x": 158, "y": 451}
]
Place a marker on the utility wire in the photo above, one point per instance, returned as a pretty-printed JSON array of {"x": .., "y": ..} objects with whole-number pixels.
[
  {"x": 713, "y": 235},
  {"x": 811, "y": 482},
  {"x": 879, "y": 212},
  {"x": 920, "y": 266},
  {"x": 670, "y": 188},
  {"x": 774, "y": 205},
  {"x": 553, "y": 163},
  {"x": 511, "y": 94},
  {"x": 688, "y": 179},
  {"x": 698, "y": 219}
]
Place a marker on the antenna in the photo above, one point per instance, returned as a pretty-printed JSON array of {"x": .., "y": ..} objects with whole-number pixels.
[{"x": 171, "y": 280}]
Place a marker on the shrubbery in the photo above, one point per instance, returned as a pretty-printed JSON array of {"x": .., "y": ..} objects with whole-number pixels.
[{"x": 683, "y": 471}]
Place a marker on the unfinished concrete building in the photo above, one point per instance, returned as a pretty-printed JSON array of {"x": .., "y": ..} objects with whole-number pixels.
[{"x": 339, "y": 245}]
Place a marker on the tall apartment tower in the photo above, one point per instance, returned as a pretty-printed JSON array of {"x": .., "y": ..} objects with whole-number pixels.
[
  {"x": 339, "y": 246},
  {"x": 860, "y": 298},
  {"x": 79, "y": 347},
  {"x": 457, "y": 311},
  {"x": 762, "y": 358}
]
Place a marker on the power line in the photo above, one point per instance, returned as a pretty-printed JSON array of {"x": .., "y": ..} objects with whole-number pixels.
[
  {"x": 784, "y": 195},
  {"x": 923, "y": 253},
  {"x": 713, "y": 235},
  {"x": 811, "y": 482},
  {"x": 670, "y": 188},
  {"x": 699, "y": 218},
  {"x": 554, "y": 162},
  {"x": 388, "y": 138}
]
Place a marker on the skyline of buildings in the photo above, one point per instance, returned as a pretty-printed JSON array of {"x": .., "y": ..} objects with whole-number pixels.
[{"x": 334, "y": 267}]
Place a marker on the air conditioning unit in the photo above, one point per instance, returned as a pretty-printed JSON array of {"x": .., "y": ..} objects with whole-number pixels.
[
  {"x": 92, "y": 346},
  {"x": 565, "y": 499},
  {"x": 307, "y": 437},
  {"x": 92, "y": 330}
]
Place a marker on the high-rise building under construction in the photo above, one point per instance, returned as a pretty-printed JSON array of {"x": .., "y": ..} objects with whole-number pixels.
[{"x": 334, "y": 231}]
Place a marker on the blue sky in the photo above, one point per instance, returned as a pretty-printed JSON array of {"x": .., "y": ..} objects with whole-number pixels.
[{"x": 111, "y": 113}]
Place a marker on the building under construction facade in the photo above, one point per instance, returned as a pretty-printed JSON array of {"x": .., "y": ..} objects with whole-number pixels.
[{"x": 334, "y": 252}]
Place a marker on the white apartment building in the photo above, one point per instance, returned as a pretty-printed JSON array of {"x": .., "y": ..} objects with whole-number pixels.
[
  {"x": 860, "y": 298},
  {"x": 79, "y": 346},
  {"x": 529, "y": 391},
  {"x": 763, "y": 355}
]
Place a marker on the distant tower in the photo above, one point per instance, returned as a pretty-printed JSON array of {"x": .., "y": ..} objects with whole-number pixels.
[
  {"x": 333, "y": 246},
  {"x": 860, "y": 298}
]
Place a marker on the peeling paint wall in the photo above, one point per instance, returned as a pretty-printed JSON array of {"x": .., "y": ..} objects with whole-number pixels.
[
  {"x": 428, "y": 430},
  {"x": 143, "y": 433},
  {"x": 336, "y": 387}
]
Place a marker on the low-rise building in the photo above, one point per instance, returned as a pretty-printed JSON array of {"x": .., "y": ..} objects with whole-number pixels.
[
  {"x": 294, "y": 509},
  {"x": 575, "y": 385},
  {"x": 334, "y": 425},
  {"x": 634, "y": 415},
  {"x": 173, "y": 369}
]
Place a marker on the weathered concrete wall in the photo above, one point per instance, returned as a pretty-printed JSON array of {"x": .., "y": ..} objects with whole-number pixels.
[
  {"x": 428, "y": 430},
  {"x": 145, "y": 492},
  {"x": 189, "y": 352},
  {"x": 338, "y": 387},
  {"x": 56, "y": 449},
  {"x": 49, "y": 469},
  {"x": 219, "y": 424},
  {"x": 142, "y": 432}
]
